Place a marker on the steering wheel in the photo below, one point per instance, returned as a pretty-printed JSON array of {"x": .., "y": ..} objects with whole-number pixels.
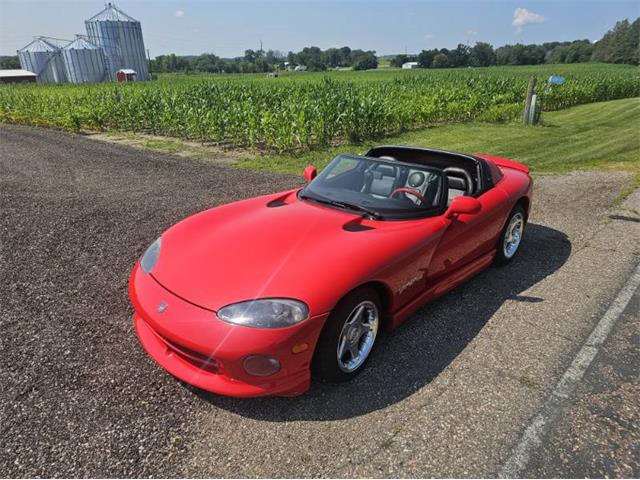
[{"x": 411, "y": 191}]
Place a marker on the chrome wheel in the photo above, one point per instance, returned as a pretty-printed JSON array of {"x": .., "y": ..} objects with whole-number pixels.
[
  {"x": 513, "y": 235},
  {"x": 357, "y": 336}
]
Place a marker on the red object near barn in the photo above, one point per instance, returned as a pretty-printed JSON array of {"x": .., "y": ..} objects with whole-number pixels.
[{"x": 126, "y": 75}]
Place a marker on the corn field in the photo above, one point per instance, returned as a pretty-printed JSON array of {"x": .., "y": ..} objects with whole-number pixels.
[{"x": 305, "y": 111}]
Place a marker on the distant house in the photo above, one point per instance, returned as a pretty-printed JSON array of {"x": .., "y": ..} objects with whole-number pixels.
[
  {"x": 410, "y": 65},
  {"x": 126, "y": 75},
  {"x": 301, "y": 68},
  {"x": 17, "y": 76}
]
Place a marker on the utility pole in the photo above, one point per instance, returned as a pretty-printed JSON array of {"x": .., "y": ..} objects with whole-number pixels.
[{"x": 149, "y": 62}]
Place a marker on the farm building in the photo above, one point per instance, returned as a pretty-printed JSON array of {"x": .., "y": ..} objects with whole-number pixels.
[
  {"x": 113, "y": 44},
  {"x": 84, "y": 62},
  {"x": 17, "y": 76},
  {"x": 120, "y": 36},
  {"x": 43, "y": 58},
  {"x": 126, "y": 75},
  {"x": 410, "y": 65}
]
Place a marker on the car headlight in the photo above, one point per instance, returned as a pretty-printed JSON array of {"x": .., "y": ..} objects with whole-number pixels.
[
  {"x": 265, "y": 313},
  {"x": 150, "y": 257}
]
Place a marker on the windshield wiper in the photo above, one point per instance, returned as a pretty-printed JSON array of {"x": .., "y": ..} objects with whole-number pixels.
[{"x": 346, "y": 205}]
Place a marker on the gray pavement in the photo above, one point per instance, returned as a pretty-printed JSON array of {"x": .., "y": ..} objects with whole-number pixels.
[
  {"x": 447, "y": 394},
  {"x": 598, "y": 433}
]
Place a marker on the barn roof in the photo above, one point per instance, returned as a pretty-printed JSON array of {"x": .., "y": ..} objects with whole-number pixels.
[{"x": 16, "y": 73}]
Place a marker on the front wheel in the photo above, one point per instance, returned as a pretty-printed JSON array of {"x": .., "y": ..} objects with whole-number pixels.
[
  {"x": 511, "y": 236},
  {"x": 348, "y": 337}
]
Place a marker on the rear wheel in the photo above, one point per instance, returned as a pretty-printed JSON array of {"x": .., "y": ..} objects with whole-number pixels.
[
  {"x": 348, "y": 337},
  {"x": 511, "y": 236}
]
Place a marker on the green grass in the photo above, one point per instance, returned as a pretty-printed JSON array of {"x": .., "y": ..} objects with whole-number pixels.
[
  {"x": 602, "y": 135},
  {"x": 169, "y": 146}
]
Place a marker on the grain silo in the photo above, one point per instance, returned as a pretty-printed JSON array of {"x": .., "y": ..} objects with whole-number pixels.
[
  {"x": 84, "y": 62},
  {"x": 44, "y": 59},
  {"x": 120, "y": 36}
]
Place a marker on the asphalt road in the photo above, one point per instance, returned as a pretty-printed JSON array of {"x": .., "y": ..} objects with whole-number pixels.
[
  {"x": 447, "y": 394},
  {"x": 598, "y": 433}
]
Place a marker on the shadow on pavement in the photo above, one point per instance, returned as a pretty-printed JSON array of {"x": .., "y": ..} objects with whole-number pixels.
[{"x": 414, "y": 354}]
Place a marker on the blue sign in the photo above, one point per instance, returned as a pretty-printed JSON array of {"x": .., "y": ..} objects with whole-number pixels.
[{"x": 556, "y": 80}]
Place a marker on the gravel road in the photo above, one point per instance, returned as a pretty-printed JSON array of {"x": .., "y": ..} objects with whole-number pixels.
[{"x": 448, "y": 394}]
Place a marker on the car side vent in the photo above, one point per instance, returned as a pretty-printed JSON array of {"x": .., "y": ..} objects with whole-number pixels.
[
  {"x": 356, "y": 227},
  {"x": 278, "y": 202},
  {"x": 281, "y": 201}
]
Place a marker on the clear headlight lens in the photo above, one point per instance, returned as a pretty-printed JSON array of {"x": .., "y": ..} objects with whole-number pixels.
[
  {"x": 150, "y": 257},
  {"x": 266, "y": 313}
]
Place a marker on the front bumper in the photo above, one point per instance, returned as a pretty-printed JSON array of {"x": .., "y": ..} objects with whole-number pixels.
[{"x": 192, "y": 344}]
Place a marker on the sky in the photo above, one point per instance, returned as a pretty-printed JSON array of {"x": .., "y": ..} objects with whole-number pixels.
[{"x": 187, "y": 27}]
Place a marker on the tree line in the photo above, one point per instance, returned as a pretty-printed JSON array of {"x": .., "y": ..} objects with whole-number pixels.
[
  {"x": 619, "y": 45},
  {"x": 260, "y": 61}
]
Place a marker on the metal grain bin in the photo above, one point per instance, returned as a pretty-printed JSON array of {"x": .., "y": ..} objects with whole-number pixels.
[
  {"x": 84, "y": 62},
  {"x": 120, "y": 36},
  {"x": 44, "y": 59}
]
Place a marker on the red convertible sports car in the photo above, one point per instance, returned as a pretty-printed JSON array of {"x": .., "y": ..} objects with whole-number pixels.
[{"x": 255, "y": 297}]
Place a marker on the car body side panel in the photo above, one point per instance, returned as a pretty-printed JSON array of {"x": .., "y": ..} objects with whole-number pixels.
[
  {"x": 442, "y": 286},
  {"x": 469, "y": 236}
]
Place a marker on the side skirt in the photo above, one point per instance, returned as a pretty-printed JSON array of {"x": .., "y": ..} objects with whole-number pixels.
[{"x": 443, "y": 286}]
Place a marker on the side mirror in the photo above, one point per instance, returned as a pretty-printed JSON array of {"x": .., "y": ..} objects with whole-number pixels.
[
  {"x": 310, "y": 173},
  {"x": 467, "y": 205}
]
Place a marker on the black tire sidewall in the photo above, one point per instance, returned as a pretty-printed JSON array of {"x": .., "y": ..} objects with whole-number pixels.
[{"x": 324, "y": 365}]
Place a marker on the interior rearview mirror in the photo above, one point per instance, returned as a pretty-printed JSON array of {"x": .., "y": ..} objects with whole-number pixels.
[
  {"x": 310, "y": 173},
  {"x": 468, "y": 205}
]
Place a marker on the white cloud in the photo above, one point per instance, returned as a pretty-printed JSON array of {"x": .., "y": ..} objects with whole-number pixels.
[
  {"x": 179, "y": 13},
  {"x": 472, "y": 33},
  {"x": 429, "y": 36},
  {"x": 522, "y": 17}
]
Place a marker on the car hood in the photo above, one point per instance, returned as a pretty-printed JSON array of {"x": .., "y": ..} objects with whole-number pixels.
[{"x": 274, "y": 246}]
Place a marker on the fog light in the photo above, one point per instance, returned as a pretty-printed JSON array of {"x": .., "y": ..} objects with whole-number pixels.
[{"x": 261, "y": 366}]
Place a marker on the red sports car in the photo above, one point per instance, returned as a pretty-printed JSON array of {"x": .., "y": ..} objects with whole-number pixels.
[{"x": 255, "y": 297}]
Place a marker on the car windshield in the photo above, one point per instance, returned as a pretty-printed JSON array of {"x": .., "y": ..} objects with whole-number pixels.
[{"x": 378, "y": 187}]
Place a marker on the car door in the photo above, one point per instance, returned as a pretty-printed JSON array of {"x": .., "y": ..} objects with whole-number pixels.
[{"x": 468, "y": 236}]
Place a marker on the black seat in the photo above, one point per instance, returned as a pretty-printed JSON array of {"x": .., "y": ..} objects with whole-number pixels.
[{"x": 459, "y": 182}]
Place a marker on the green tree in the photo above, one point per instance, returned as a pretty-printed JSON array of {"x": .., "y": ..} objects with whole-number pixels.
[
  {"x": 425, "y": 58},
  {"x": 459, "y": 57},
  {"x": 440, "y": 60},
  {"x": 619, "y": 45},
  {"x": 365, "y": 61},
  {"x": 9, "y": 63},
  {"x": 482, "y": 55}
]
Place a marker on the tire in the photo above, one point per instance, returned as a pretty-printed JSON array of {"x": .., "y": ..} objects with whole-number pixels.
[
  {"x": 326, "y": 366},
  {"x": 505, "y": 253}
]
